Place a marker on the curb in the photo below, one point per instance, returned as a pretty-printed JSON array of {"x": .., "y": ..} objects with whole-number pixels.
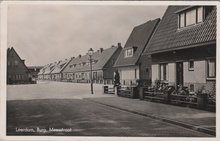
[{"x": 185, "y": 125}]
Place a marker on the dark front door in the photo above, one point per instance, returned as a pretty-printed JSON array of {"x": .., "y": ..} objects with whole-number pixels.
[{"x": 179, "y": 73}]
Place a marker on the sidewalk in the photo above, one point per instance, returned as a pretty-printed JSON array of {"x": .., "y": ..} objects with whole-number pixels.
[{"x": 195, "y": 119}]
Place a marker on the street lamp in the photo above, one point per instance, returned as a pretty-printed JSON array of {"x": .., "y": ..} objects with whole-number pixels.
[{"x": 90, "y": 53}]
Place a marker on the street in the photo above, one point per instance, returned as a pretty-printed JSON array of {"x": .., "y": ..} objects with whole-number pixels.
[{"x": 63, "y": 109}]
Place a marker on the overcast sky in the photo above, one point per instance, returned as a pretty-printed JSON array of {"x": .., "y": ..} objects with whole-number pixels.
[{"x": 43, "y": 34}]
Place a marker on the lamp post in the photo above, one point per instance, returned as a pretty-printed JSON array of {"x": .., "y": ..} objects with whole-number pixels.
[{"x": 90, "y": 53}]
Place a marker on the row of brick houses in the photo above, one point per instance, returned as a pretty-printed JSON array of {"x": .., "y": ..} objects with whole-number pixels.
[
  {"x": 78, "y": 69},
  {"x": 179, "y": 49}
]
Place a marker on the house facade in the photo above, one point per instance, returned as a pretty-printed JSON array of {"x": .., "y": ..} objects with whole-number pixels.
[
  {"x": 56, "y": 73},
  {"x": 183, "y": 48},
  {"x": 130, "y": 63},
  {"x": 17, "y": 71},
  {"x": 78, "y": 69},
  {"x": 45, "y": 72}
]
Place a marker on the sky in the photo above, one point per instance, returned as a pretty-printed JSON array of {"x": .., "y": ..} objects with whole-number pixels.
[{"x": 43, "y": 34}]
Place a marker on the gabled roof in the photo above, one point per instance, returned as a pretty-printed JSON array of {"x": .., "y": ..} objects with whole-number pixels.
[
  {"x": 168, "y": 37},
  {"x": 10, "y": 50},
  {"x": 100, "y": 58},
  {"x": 138, "y": 38},
  {"x": 42, "y": 70},
  {"x": 60, "y": 66},
  {"x": 49, "y": 68}
]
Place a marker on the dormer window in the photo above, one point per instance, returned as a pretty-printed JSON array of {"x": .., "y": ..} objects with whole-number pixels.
[
  {"x": 191, "y": 16},
  {"x": 130, "y": 52}
]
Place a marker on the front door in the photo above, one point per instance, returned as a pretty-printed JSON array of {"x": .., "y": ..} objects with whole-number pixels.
[{"x": 179, "y": 73}]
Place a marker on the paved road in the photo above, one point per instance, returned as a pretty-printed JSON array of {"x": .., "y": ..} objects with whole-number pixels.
[
  {"x": 65, "y": 105},
  {"x": 84, "y": 118},
  {"x": 53, "y": 90}
]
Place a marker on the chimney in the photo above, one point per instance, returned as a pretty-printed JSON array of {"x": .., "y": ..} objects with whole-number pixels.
[
  {"x": 80, "y": 55},
  {"x": 101, "y": 50},
  {"x": 119, "y": 44},
  {"x": 112, "y": 46},
  {"x": 72, "y": 57},
  {"x": 23, "y": 61}
]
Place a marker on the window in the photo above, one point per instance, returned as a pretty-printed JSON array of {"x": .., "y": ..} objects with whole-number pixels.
[
  {"x": 211, "y": 68},
  {"x": 191, "y": 65},
  {"x": 129, "y": 52},
  {"x": 199, "y": 14},
  {"x": 182, "y": 20},
  {"x": 135, "y": 73},
  {"x": 190, "y": 17},
  {"x": 163, "y": 71}
]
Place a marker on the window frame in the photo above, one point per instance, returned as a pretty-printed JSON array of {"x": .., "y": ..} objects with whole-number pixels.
[
  {"x": 191, "y": 68},
  {"x": 165, "y": 71},
  {"x": 129, "y": 52},
  {"x": 208, "y": 60},
  {"x": 185, "y": 17}
]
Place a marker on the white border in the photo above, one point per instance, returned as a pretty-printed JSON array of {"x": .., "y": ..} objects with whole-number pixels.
[{"x": 3, "y": 51}]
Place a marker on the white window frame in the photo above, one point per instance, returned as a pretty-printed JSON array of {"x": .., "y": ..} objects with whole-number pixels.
[
  {"x": 191, "y": 17},
  {"x": 185, "y": 18},
  {"x": 208, "y": 68},
  {"x": 200, "y": 14},
  {"x": 163, "y": 75},
  {"x": 129, "y": 52},
  {"x": 189, "y": 67}
]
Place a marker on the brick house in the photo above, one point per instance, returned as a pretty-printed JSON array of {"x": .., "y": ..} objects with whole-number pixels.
[
  {"x": 78, "y": 69},
  {"x": 45, "y": 72},
  {"x": 40, "y": 75},
  {"x": 17, "y": 71},
  {"x": 56, "y": 73},
  {"x": 130, "y": 63},
  {"x": 183, "y": 48}
]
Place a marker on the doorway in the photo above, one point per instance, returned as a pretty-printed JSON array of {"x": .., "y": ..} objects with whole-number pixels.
[{"x": 179, "y": 73}]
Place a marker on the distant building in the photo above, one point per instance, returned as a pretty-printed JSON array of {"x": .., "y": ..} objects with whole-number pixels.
[
  {"x": 78, "y": 69},
  {"x": 34, "y": 70},
  {"x": 129, "y": 64},
  {"x": 17, "y": 71},
  {"x": 40, "y": 75},
  {"x": 45, "y": 72},
  {"x": 183, "y": 48},
  {"x": 56, "y": 73}
]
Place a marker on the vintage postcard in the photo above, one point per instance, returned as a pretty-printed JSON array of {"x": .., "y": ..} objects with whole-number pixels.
[{"x": 99, "y": 70}]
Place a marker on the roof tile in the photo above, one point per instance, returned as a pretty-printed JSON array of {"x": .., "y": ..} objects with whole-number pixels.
[{"x": 168, "y": 36}]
